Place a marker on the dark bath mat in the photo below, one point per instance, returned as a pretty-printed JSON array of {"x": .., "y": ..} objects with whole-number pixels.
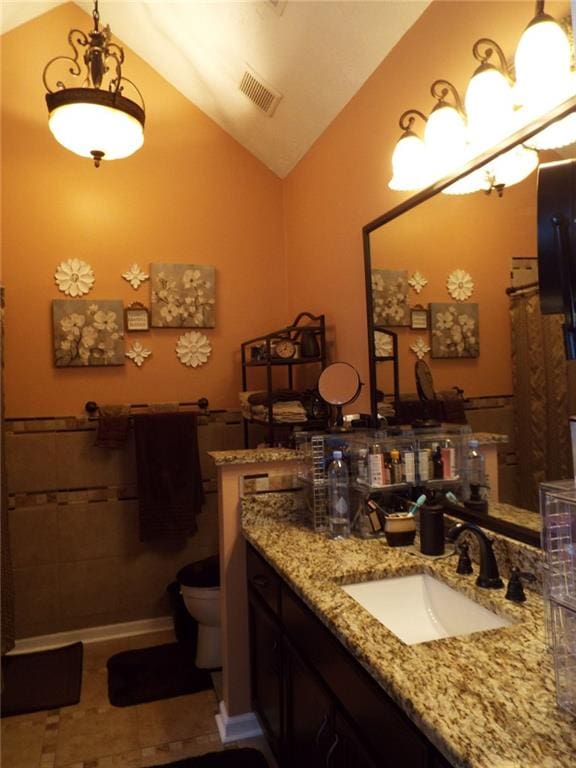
[
  {"x": 150, "y": 674},
  {"x": 41, "y": 680},
  {"x": 229, "y": 758}
]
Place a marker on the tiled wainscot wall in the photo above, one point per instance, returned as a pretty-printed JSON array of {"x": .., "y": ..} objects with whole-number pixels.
[{"x": 73, "y": 512}]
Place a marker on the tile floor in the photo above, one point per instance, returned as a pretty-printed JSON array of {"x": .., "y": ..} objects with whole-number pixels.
[{"x": 94, "y": 734}]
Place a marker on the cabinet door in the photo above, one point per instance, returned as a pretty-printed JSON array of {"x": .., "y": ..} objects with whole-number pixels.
[
  {"x": 347, "y": 750},
  {"x": 266, "y": 671},
  {"x": 310, "y": 735}
]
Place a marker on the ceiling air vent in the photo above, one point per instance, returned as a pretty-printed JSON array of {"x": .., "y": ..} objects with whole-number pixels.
[{"x": 259, "y": 92}]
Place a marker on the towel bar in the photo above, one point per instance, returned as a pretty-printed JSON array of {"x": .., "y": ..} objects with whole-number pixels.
[{"x": 91, "y": 407}]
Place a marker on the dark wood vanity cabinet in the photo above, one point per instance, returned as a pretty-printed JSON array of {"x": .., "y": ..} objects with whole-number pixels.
[{"x": 317, "y": 705}]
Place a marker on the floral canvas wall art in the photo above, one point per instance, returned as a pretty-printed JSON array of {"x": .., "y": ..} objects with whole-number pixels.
[
  {"x": 454, "y": 330},
  {"x": 88, "y": 333},
  {"x": 183, "y": 296},
  {"x": 390, "y": 297}
]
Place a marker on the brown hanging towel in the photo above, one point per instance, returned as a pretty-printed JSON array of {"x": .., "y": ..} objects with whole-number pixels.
[
  {"x": 113, "y": 426},
  {"x": 170, "y": 490}
]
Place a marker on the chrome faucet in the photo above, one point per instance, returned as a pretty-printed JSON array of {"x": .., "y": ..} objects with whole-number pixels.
[{"x": 489, "y": 577}]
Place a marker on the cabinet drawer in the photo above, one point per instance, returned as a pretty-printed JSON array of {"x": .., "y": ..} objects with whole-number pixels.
[
  {"x": 263, "y": 579},
  {"x": 388, "y": 732}
]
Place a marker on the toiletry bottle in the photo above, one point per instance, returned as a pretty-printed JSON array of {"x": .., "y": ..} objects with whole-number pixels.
[
  {"x": 476, "y": 473},
  {"x": 376, "y": 465},
  {"x": 423, "y": 464},
  {"x": 362, "y": 466},
  {"x": 409, "y": 467},
  {"x": 448, "y": 461},
  {"x": 387, "y": 471},
  {"x": 437, "y": 465},
  {"x": 395, "y": 466},
  {"x": 338, "y": 498}
]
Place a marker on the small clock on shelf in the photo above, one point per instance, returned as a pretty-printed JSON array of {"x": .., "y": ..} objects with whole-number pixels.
[{"x": 284, "y": 349}]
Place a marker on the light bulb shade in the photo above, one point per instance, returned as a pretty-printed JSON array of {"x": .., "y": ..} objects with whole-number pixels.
[
  {"x": 489, "y": 107},
  {"x": 445, "y": 140},
  {"x": 542, "y": 63},
  {"x": 96, "y": 123},
  {"x": 512, "y": 167},
  {"x": 473, "y": 182},
  {"x": 559, "y": 134},
  {"x": 409, "y": 164}
]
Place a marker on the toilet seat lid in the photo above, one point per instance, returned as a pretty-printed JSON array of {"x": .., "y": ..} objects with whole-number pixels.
[{"x": 203, "y": 573}]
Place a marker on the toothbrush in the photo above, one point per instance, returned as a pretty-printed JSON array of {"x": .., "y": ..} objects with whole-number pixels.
[{"x": 418, "y": 503}]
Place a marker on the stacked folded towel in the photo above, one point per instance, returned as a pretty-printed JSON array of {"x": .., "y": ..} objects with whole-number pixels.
[{"x": 286, "y": 407}]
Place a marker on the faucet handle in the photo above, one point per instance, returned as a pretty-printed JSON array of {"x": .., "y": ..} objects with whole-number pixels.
[
  {"x": 464, "y": 563},
  {"x": 515, "y": 590}
]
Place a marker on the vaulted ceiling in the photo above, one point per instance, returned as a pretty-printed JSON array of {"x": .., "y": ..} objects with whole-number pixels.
[{"x": 304, "y": 59}]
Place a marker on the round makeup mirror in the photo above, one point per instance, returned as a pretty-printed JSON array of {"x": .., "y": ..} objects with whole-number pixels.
[{"x": 339, "y": 384}]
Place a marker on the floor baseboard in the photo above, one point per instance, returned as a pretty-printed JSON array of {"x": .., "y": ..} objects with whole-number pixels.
[
  {"x": 236, "y": 728},
  {"x": 93, "y": 634}
]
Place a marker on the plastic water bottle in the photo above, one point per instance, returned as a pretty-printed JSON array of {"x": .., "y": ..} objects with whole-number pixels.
[{"x": 338, "y": 498}]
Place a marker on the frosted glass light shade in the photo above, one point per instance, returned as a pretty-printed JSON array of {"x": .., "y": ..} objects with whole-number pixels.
[
  {"x": 542, "y": 64},
  {"x": 513, "y": 166},
  {"x": 83, "y": 124},
  {"x": 445, "y": 140},
  {"x": 489, "y": 107},
  {"x": 409, "y": 164}
]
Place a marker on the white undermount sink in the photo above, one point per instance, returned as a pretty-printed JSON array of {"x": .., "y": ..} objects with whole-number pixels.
[{"x": 419, "y": 608}]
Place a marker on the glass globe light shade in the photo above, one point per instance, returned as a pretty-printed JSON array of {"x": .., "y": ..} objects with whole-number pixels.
[
  {"x": 562, "y": 132},
  {"x": 489, "y": 107},
  {"x": 445, "y": 140},
  {"x": 512, "y": 167},
  {"x": 86, "y": 128},
  {"x": 473, "y": 182},
  {"x": 542, "y": 63},
  {"x": 409, "y": 164}
]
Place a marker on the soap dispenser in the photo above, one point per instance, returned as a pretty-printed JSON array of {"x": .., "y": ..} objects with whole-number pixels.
[{"x": 431, "y": 529}]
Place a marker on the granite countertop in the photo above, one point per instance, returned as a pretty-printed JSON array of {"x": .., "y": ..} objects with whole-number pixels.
[
  {"x": 255, "y": 456},
  {"x": 486, "y": 700}
]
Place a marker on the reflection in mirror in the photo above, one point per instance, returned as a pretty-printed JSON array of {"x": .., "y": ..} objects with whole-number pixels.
[
  {"x": 339, "y": 384},
  {"x": 470, "y": 261}
]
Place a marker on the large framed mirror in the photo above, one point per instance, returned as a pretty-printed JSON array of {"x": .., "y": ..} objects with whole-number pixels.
[{"x": 484, "y": 236}]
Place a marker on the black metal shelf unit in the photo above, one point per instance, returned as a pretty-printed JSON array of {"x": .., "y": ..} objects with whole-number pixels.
[{"x": 307, "y": 346}]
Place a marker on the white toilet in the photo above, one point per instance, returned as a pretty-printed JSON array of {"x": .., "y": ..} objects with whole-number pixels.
[{"x": 200, "y": 590}]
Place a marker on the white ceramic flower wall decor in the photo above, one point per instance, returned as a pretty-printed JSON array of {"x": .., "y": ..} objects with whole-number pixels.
[
  {"x": 417, "y": 281},
  {"x": 138, "y": 353},
  {"x": 74, "y": 277},
  {"x": 460, "y": 285},
  {"x": 135, "y": 276},
  {"x": 193, "y": 349},
  {"x": 420, "y": 348}
]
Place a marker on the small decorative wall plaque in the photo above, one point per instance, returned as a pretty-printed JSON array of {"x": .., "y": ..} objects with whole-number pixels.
[
  {"x": 138, "y": 353},
  {"x": 183, "y": 296},
  {"x": 390, "y": 297},
  {"x": 87, "y": 333},
  {"x": 420, "y": 348},
  {"x": 460, "y": 285},
  {"x": 193, "y": 349},
  {"x": 135, "y": 276},
  {"x": 74, "y": 277},
  {"x": 417, "y": 282},
  {"x": 454, "y": 330},
  {"x": 419, "y": 318},
  {"x": 136, "y": 317}
]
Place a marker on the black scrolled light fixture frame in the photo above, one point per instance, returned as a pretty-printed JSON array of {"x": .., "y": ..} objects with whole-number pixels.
[
  {"x": 440, "y": 89},
  {"x": 407, "y": 120},
  {"x": 483, "y": 50},
  {"x": 102, "y": 83}
]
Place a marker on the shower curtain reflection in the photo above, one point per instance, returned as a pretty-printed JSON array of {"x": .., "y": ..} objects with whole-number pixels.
[{"x": 545, "y": 396}]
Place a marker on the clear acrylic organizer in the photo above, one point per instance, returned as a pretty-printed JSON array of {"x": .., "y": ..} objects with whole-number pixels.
[{"x": 558, "y": 516}]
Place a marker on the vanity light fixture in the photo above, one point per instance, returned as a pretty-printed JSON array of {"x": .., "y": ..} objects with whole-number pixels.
[
  {"x": 89, "y": 113},
  {"x": 495, "y": 106},
  {"x": 409, "y": 155}
]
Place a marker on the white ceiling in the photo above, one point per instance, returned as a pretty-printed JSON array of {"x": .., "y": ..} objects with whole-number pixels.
[{"x": 316, "y": 54}]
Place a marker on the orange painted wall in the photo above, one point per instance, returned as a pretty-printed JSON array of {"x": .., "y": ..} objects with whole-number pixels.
[
  {"x": 341, "y": 185},
  {"x": 191, "y": 195}
]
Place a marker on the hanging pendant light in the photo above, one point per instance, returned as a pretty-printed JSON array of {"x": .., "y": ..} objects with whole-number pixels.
[
  {"x": 544, "y": 78},
  {"x": 409, "y": 164},
  {"x": 93, "y": 118}
]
